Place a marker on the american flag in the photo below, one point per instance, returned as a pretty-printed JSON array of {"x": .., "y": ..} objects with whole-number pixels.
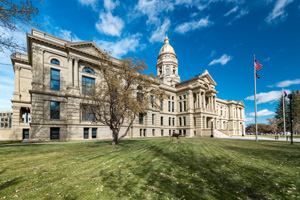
[
  {"x": 257, "y": 65},
  {"x": 284, "y": 93}
]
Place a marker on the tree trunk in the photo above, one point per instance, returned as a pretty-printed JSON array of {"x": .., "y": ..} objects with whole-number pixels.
[{"x": 115, "y": 138}]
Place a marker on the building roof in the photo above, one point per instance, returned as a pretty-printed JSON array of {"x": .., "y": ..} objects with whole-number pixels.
[{"x": 167, "y": 48}]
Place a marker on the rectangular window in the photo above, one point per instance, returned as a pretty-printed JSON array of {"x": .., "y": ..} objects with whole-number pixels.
[
  {"x": 169, "y": 132},
  {"x": 184, "y": 121},
  {"x": 180, "y": 107},
  {"x": 141, "y": 132},
  {"x": 54, "y": 110},
  {"x": 184, "y": 106},
  {"x": 161, "y": 121},
  {"x": 180, "y": 123},
  {"x": 88, "y": 85},
  {"x": 94, "y": 133},
  {"x": 87, "y": 113},
  {"x": 141, "y": 118},
  {"x": 173, "y": 121},
  {"x": 162, "y": 105},
  {"x": 172, "y": 106},
  {"x": 152, "y": 101},
  {"x": 144, "y": 132},
  {"x": 169, "y": 106},
  {"x": 86, "y": 133},
  {"x": 153, "y": 117},
  {"x": 25, "y": 134},
  {"x": 167, "y": 71},
  {"x": 169, "y": 121},
  {"x": 162, "y": 132},
  {"x": 54, "y": 133},
  {"x": 184, "y": 132},
  {"x": 153, "y": 132},
  {"x": 55, "y": 79},
  {"x": 184, "y": 96},
  {"x": 139, "y": 97}
]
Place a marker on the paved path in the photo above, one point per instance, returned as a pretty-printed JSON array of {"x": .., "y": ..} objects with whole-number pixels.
[{"x": 282, "y": 139}]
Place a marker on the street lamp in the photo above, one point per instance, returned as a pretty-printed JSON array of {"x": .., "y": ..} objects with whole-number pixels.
[
  {"x": 291, "y": 117},
  {"x": 212, "y": 126}
]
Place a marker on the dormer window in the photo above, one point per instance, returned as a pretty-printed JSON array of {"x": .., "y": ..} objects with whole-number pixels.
[
  {"x": 55, "y": 62},
  {"x": 88, "y": 70}
]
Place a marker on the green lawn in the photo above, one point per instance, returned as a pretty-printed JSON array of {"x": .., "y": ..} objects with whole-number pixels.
[{"x": 200, "y": 168}]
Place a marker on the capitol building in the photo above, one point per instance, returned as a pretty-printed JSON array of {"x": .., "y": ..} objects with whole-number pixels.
[{"x": 49, "y": 81}]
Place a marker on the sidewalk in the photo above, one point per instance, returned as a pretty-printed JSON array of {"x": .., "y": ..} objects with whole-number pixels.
[{"x": 282, "y": 139}]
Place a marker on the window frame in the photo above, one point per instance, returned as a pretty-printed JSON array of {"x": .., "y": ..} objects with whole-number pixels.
[
  {"x": 55, "y": 60},
  {"x": 53, "y": 80},
  {"x": 84, "y": 89},
  {"x": 54, "y": 113}
]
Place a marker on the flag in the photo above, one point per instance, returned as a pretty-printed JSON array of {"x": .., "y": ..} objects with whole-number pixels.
[
  {"x": 284, "y": 93},
  {"x": 257, "y": 76},
  {"x": 257, "y": 65}
]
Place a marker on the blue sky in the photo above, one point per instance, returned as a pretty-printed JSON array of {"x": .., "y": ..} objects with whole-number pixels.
[{"x": 218, "y": 35}]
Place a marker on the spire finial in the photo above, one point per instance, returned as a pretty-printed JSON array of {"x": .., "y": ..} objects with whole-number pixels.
[{"x": 166, "y": 39}]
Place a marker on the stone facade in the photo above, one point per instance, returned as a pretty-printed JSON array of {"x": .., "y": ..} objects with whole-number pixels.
[{"x": 192, "y": 108}]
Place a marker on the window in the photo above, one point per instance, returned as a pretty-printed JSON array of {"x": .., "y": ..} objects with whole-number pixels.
[
  {"x": 173, "y": 121},
  {"x": 162, "y": 105},
  {"x": 87, "y": 113},
  {"x": 167, "y": 71},
  {"x": 88, "y": 70},
  {"x": 180, "y": 123},
  {"x": 169, "y": 106},
  {"x": 169, "y": 132},
  {"x": 54, "y": 110},
  {"x": 173, "y": 71},
  {"x": 180, "y": 98},
  {"x": 94, "y": 133},
  {"x": 184, "y": 106},
  {"x": 152, "y": 101},
  {"x": 172, "y": 106},
  {"x": 162, "y": 121},
  {"x": 141, "y": 132},
  {"x": 144, "y": 132},
  {"x": 88, "y": 85},
  {"x": 221, "y": 111},
  {"x": 54, "y": 133},
  {"x": 55, "y": 62},
  {"x": 169, "y": 121},
  {"x": 86, "y": 133},
  {"x": 160, "y": 72},
  {"x": 184, "y": 132},
  {"x": 153, "y": 132},
  {"x": 153, "y": 117},
  {"x": 141, "y": 118},
  {"x": 25, "y": 134},
  {"x": 184, "y": 96},
  {"x": 184, "y": 121},
  {"x": 55, "y": 79},
  {"x": 180, "y": 107},
  {"x": 162, "y": 132}
]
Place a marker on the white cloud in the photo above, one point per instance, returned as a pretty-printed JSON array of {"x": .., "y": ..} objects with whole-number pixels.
[
  {"x": 288, "y": 83},
  {"x": 120, "y": 47},
  {"x": 267, "y": 59},
  {"x": 153, "y": 9},
  {"x": 159, "y": 34},
  {"x": 193, "y": 25},
  {"x": 110, "y": 5},
  {"x": 233, "y": 10},
  {"x": 265, "y": 97},
  {"x": 110, "y": 25},
  {"x": 248, "y": 119},
  {"x": 66, "y": 35},
  {"x": 92, "y": 3},
  {"x": 264, "y": 112},
  {"x": 278, "y": 13},
  {"x": 223, "y": 60},
  {"x": 213, "y": 53}
]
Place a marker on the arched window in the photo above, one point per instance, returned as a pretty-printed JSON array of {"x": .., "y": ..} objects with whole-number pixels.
[
  {"x": 88, "y": 70},
  {"x": 55, "y": 62}
]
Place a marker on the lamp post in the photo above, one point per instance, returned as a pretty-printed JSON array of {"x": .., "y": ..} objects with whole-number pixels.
[
  {"x": 291, "y": 117},
  {"x": 212, "y": 126}
]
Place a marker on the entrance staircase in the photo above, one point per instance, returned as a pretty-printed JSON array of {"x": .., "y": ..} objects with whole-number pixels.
[{"x": 219, "y": 134}]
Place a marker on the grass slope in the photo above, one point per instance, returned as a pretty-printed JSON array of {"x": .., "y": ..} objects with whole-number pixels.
[{"x": 200, "y": 168}]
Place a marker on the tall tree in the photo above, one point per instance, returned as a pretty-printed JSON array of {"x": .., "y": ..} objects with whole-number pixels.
[
  {"x": 279, "y": 114},
  {"x": 295, "y": 108},
  {"x": 12, "y": 14},
  {"x": 124, "y": 94}
]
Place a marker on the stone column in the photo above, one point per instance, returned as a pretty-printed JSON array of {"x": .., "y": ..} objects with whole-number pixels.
[
  {"x": 70, "y": 73},
  {"x": 76, "y": 73},
  {"x": 17, "y": 83},
  {"x": 203, "y": 98}
]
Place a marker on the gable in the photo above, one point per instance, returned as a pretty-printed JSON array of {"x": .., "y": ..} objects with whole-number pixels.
[
  {"x": 208, "y": 79},
  {"x": 87, "y": 47}
]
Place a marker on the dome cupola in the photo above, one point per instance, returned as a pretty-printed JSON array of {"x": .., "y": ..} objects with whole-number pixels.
[{"x": 167, "y": 64}]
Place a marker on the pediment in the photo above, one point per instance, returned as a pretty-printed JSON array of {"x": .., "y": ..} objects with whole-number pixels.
[
  {"x": 206, "y": 77},
  {"x": 88, "y": 47}
]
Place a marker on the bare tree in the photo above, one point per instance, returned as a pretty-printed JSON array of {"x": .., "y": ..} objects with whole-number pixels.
[
  {"x": 12, "y": 14},
  {"x": 124, "y": 93},
  {"x": 273, "y": 123}
]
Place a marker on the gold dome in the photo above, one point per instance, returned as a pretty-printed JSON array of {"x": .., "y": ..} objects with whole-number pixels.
[{"x": 167, "y": 48}]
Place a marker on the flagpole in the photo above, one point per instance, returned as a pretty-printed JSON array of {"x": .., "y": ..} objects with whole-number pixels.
[
  {"x": 256, "y": 135},
  {"x": 283, "y": 98}
]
